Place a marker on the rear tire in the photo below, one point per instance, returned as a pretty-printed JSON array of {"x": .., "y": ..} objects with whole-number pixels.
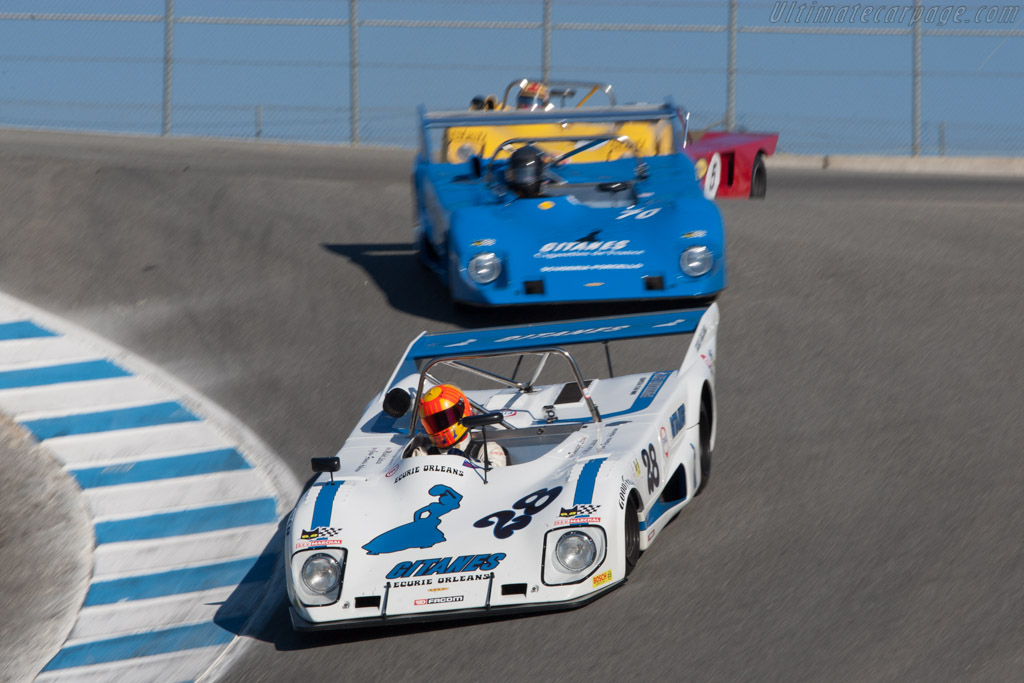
[
  {"x": 705, "y": 448},
  {"x": 758, "y": 178},
  {"x": 632, "y": 536}
]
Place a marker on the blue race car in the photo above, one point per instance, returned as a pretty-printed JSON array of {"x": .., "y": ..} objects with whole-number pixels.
[{"x": 565, "y": 205}]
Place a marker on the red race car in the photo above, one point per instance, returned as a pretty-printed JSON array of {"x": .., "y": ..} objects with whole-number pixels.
[
  {"x": 731, "y": 165},
  {"x": 728, "y": 165}
]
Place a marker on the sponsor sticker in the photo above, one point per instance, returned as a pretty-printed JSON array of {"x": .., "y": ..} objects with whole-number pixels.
[
  {"x": 441, "y": 599},
  {"x": 319, "y": 532},
  {"x": 602, "y": 578},
  {"x": 694, "y": 234},
  {"x": 544, "y": 206},
  {"x": 489, "y": 242},
  {"x": 573, "y": 521},
  {"x": 447, "y": 565},
  {"x": 586, "y": 247},
  {"x": 319, "y": 536},
  {"x": 578, "y": 510}
]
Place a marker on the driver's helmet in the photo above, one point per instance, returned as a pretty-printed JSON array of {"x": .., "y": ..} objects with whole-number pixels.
[
  {"x": 525, "y": 173},
  {"x": 533, "y": 95},
  {"x": 441, "y": 409}
]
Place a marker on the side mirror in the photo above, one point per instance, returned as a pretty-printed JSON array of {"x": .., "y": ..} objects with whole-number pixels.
[
  {"x": 397, "y": 402},
  {"x": 332, "y": 464},
  {"x": 473, "y": 421}
]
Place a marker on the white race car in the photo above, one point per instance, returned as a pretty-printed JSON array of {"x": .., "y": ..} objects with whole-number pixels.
[{"x": 595, "y": 471}]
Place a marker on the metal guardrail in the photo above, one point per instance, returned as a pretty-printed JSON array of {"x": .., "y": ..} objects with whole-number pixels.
[{"x": 310, "y": 118}]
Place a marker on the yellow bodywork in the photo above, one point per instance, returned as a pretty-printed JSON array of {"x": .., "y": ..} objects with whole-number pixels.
[{"x": 651, "y": 138}]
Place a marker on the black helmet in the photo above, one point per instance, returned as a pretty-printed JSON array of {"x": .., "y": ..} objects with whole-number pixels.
[{"x": 526, "y": 171}]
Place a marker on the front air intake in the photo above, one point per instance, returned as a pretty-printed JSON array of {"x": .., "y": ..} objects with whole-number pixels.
[
  {"x": 533, "y": 286},
  {"x": 368, "y": 601},
  {"x": 654, "y": 282}
]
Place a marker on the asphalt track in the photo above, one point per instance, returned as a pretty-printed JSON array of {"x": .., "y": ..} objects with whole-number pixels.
[{"x": 863, "y": 521}]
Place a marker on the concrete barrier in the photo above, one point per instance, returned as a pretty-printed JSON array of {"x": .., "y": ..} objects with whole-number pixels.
[{"x": 979, "y": 166}]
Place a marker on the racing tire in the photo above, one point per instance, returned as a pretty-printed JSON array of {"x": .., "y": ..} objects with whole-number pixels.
[
  {"x": 705, "y": 448},
  {"x": 632, "y": 536},
  {"x": 758, "y": 178}
]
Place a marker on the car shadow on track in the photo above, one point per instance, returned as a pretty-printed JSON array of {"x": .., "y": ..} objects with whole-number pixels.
[{"x": 411, "y": 288}]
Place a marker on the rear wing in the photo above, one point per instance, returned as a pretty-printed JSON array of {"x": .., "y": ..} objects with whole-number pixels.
[{"x": 545, "y": 335}]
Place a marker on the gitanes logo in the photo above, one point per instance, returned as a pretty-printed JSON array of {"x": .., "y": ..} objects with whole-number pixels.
[
  {"x": 613, "y": 245},
  {"x": 447, "y": 565}
]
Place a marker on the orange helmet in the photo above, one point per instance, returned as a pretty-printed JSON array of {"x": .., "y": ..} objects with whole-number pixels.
[
  {"x": 442, "y": 409},
  {"x": 533, "y": 95}
]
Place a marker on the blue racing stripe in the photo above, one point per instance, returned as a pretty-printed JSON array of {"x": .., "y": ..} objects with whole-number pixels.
[
  {"x": 167, "y": 524},
  {"x": 147, "y": 644},
  {"x": 223, "y": 460},
  {"x": 324, "y": 504},
  {"x": 58, "y": 374},
  {"x": 110, "y": 420},
  {"x": 177, "y": 581},
  {"x": 585, "y": 482},
  {"x": 641, "y": 402},
  {"x": 657, "y": 509},
  {"x": 23, "y": 329}
]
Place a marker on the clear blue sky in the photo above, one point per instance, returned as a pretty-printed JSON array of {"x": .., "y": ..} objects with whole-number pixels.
[{"x": 831, "y": 93}]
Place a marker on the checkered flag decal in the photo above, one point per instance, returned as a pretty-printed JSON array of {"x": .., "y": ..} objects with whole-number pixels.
[
  {"x": 586, "y": 510},
  {"x": 320, "y": 532}
]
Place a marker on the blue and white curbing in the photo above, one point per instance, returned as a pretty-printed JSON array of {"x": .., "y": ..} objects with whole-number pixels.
[{"x": 184, "y": 502}]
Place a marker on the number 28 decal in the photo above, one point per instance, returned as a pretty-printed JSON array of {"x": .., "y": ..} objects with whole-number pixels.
[
  {"x": 649, "y": 457},
  {"x": 638, "y": 214},
  {"x": 506, "y": 522}
]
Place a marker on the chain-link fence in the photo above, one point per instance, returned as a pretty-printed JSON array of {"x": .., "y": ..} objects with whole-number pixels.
[{"x": 903, "y": 79}]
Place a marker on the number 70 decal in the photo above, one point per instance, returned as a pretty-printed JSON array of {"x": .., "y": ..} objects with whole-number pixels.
[{"x": 638, "y": 214}]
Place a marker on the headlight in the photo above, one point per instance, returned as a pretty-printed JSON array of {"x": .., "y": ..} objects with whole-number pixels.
[
  {"x": 575, "y": 551},
  {"x": 696, "y": 261},
  {"x": 484, "y": 267},
  {"x": 320, "y": 573}
]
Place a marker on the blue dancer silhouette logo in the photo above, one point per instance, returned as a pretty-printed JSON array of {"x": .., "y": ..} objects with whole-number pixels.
[{"x": 422, "y": 531}]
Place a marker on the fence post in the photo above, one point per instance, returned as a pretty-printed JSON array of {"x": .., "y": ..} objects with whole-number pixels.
[
  {"x": 916, "y": 123},
  {"x": 730, "y": 104},
  {"x": 353, "y": 43},
  {"x": 545, "y": 59},
  {"x": 168, "y": 63},
  {"x": 259, "y": 121}
]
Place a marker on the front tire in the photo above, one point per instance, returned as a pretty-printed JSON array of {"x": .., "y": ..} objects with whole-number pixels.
[
  {"x": 632, "y": 536},
  {"x": 758, "y": 178},
  {"x": 705, "y": 447}
]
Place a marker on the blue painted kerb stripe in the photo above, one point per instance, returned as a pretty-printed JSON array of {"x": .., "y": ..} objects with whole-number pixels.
[
  {"x": 147, "y": 644},
  {"x": 23, "y": 329},
  {"x": 167, "y": 524},
  {"x": 59, "y": 374},
  {"x": 585, "y": 482},
  {"x": 177, "y": 581},
  {"x": 209, "y": 462},
  {"x": 110, "y": 420}
]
